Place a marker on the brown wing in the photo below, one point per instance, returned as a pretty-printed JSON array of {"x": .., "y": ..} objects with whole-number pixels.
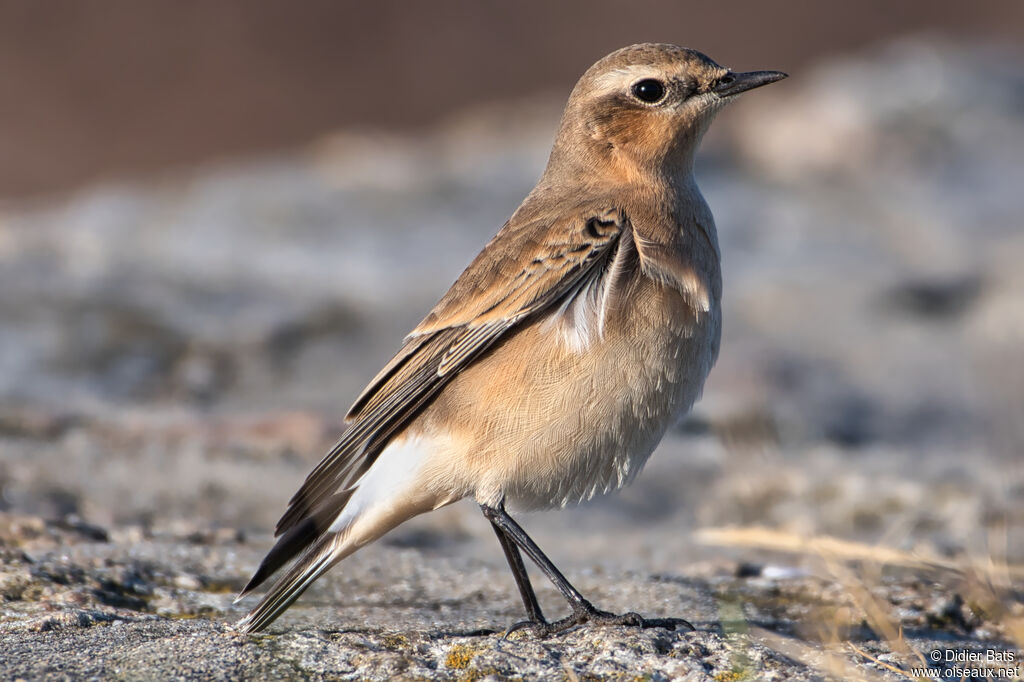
[{"x": 524, "y": 269}]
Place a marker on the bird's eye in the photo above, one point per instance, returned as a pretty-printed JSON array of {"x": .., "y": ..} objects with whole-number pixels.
[{"x": 649, "y": 90}]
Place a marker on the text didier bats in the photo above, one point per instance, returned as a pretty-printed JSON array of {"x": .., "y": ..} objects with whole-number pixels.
[{"x": 987, "y": 656}]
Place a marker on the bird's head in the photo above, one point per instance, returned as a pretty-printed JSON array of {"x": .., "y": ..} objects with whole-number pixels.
[{"x": 643, "y": 109}]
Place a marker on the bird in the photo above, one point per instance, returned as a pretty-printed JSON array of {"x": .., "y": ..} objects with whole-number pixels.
[{"x": 556, "y": 362}]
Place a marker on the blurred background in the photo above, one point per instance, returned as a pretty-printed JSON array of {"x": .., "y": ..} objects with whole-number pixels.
[{"x": 217, "y": 220}]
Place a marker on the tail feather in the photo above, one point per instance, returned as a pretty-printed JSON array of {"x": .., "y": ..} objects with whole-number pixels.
[
  {"x": 297, "y": 539},
  {"x": 314, "y": 563},
  {"x": 334, "y": 526}
]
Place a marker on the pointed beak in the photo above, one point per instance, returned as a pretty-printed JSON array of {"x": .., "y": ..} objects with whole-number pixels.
[{"x": 734, "y": 83}]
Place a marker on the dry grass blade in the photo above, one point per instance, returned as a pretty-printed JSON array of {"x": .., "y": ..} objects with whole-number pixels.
[
  {"x": 985, "y": 584},
  {"x": 824, "y": 659},
  {"x": 839, "y": 549},
  {"x": 874, "y": 659}
]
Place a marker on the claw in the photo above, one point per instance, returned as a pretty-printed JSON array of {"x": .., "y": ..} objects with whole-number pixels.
[{"x": 534, "y": 625}]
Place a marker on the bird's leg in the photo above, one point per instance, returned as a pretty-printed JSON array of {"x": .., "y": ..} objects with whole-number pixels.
[
  {"x": 515, "y": 562},
  {"x": 512, "y": 530},
  {"x": 582, "y": 610}
]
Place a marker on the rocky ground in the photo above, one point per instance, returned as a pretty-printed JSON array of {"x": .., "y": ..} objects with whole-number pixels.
[
  {"x": 845, "y": 500},
  {"x": 82, "y": 601}
]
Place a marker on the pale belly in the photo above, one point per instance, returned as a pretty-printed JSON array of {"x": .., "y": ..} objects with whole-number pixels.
[{"x": 543, "y": 424}]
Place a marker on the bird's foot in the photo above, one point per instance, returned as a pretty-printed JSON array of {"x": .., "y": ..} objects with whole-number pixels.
[{"x": 587, "y": 614}]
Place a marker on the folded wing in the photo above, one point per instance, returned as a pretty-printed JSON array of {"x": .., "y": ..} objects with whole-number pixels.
[{"x": 527, "y": 268}]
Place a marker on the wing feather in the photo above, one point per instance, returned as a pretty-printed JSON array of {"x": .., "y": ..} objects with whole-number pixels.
[{"x": 526, "y": 268}]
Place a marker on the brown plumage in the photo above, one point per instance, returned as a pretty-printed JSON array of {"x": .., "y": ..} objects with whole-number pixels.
[{"x": 556, "y": 362}]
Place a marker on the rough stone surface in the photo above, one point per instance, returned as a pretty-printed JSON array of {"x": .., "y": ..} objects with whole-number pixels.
[{"x": 158, "y": 608}]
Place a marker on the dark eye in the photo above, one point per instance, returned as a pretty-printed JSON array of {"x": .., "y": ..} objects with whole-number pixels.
[{"x": 649, "y": 90}]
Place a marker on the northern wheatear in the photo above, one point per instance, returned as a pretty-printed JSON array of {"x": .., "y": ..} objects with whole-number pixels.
[{"x": 556, "y": 362}]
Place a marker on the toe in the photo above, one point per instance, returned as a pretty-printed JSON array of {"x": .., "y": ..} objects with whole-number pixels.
[
  {"x": 537, "y": 627},
  {"x": 634, "y": 619},
  {"x": 668, "y": 623}
]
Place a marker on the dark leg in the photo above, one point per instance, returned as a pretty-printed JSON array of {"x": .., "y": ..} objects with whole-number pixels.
[
  {"x": 500, "y": 518},
  {"x": 515, "y": 562},
  {"x": 582, "y": 610}
]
